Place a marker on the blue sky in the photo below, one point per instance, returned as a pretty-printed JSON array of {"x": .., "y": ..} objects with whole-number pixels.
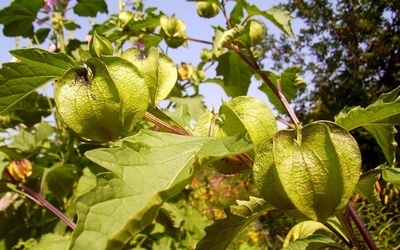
[{"x": 196, "y": 27}]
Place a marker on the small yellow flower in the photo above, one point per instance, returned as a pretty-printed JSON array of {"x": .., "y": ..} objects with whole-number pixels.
[
  {"x": 254, "y": 236},
  {"x": 20, "y": 169}
]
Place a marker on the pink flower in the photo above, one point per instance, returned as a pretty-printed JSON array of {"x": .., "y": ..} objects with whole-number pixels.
[
  {"x": 139, "y": 43},
  {"x": 49, "y": 3}
]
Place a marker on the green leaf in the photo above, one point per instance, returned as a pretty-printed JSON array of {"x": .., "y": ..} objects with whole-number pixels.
[
  {"x": 24, "y": 141},
  {"x": 235, "y": 72},
  {"x": 290, "y": 82},
  {"x": 19, "y": 17},
  {"x": 366, "y": 188},
  {"x": 387, "y": 106},
  {"x": 391, "y": 175},
  {"x": 203, "y": 124},
  {"x": 385, "y": 137},
  {"x": 279, "y": 17},
  {"x": 180, "y": 115},
  {"x": 40, "y": 35},
  {"x": 90, "y": 8},
  {"x": 70, "y": 25},
  {"x": 230, "y": 35},
  {"x": 195, "y": 105},
  {"x": 379, "y": 119},
  {"x": 303, "y": 230},
  {"x": 147, "y": 169},
  {"x": 60, "y": 180},
  {"x": 3, "y": 164},
  {"x": 43, "y": 131},
  {"x": 53, "y": 241},
  {"x": 158, "y": 69},
  {"x": 222, "y": 232},
  {"x": 236, "y": 14},
  {"x": 36, "y": 67},
  {"x": 316, "y": 241}
]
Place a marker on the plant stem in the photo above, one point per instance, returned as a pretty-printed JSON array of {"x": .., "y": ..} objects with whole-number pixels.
[
  {"x": 361, "y": 227},
  {"x": 276, "y": 91},
  {"x": 338, "y": 234},
  {"x": 168, "y": 127},
  {"x": 348, "y": 230},
  {"x": 42, "y": 201}
]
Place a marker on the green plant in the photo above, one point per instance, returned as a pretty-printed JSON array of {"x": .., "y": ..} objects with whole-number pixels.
[{"x": 120, "y": 179}]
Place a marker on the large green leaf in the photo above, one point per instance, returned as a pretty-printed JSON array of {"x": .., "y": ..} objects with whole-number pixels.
[
  {"x": 379, "y": 119},
  {"x": 19, "y": 17},
  {"x": 222, "y": 232},
  {"x": 235, "y": 72},
  {"x": 90, "y": 7},
  {"x": 290, "y": 83},
  {"x": 53, "y": 241},
  {"x": 146, "y": 170},
  {"x": 36, "y": 67}
]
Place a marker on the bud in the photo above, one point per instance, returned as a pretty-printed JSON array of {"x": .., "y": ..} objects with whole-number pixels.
[
  {"x": 100, "y": 46},
  {"x": 102, "y": 101},
  {"x": 173, "y": 31},
  {"x": 20, "y": 169},
  {"x": 254, "y": 32},
  {"x": 207, "y": 9}
]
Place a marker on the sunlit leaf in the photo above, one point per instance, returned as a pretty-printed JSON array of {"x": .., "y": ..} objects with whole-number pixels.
[
  {"x": 222, "y": 232},
  {"x": 36, "y": 68},
  {"x": 147, "y": 169},
  {"x": 392, "y": 175},
  {"x": 303, "y": 230},
  {"x": 315, "y": 241},
  {"x": 53, "y": 241}
]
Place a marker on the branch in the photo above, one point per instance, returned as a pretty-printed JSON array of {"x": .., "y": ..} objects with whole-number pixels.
[{"x": 41, "y": 201}]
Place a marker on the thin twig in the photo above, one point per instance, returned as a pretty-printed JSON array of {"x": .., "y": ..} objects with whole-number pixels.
[{"x": 42, "y": 201}]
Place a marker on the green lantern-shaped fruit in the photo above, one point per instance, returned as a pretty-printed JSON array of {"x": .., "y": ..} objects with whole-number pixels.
[
  {"x": 102, "y": 101},
  {"x": 309, "y": 172},
  {"x": 207, "y": 9}
]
